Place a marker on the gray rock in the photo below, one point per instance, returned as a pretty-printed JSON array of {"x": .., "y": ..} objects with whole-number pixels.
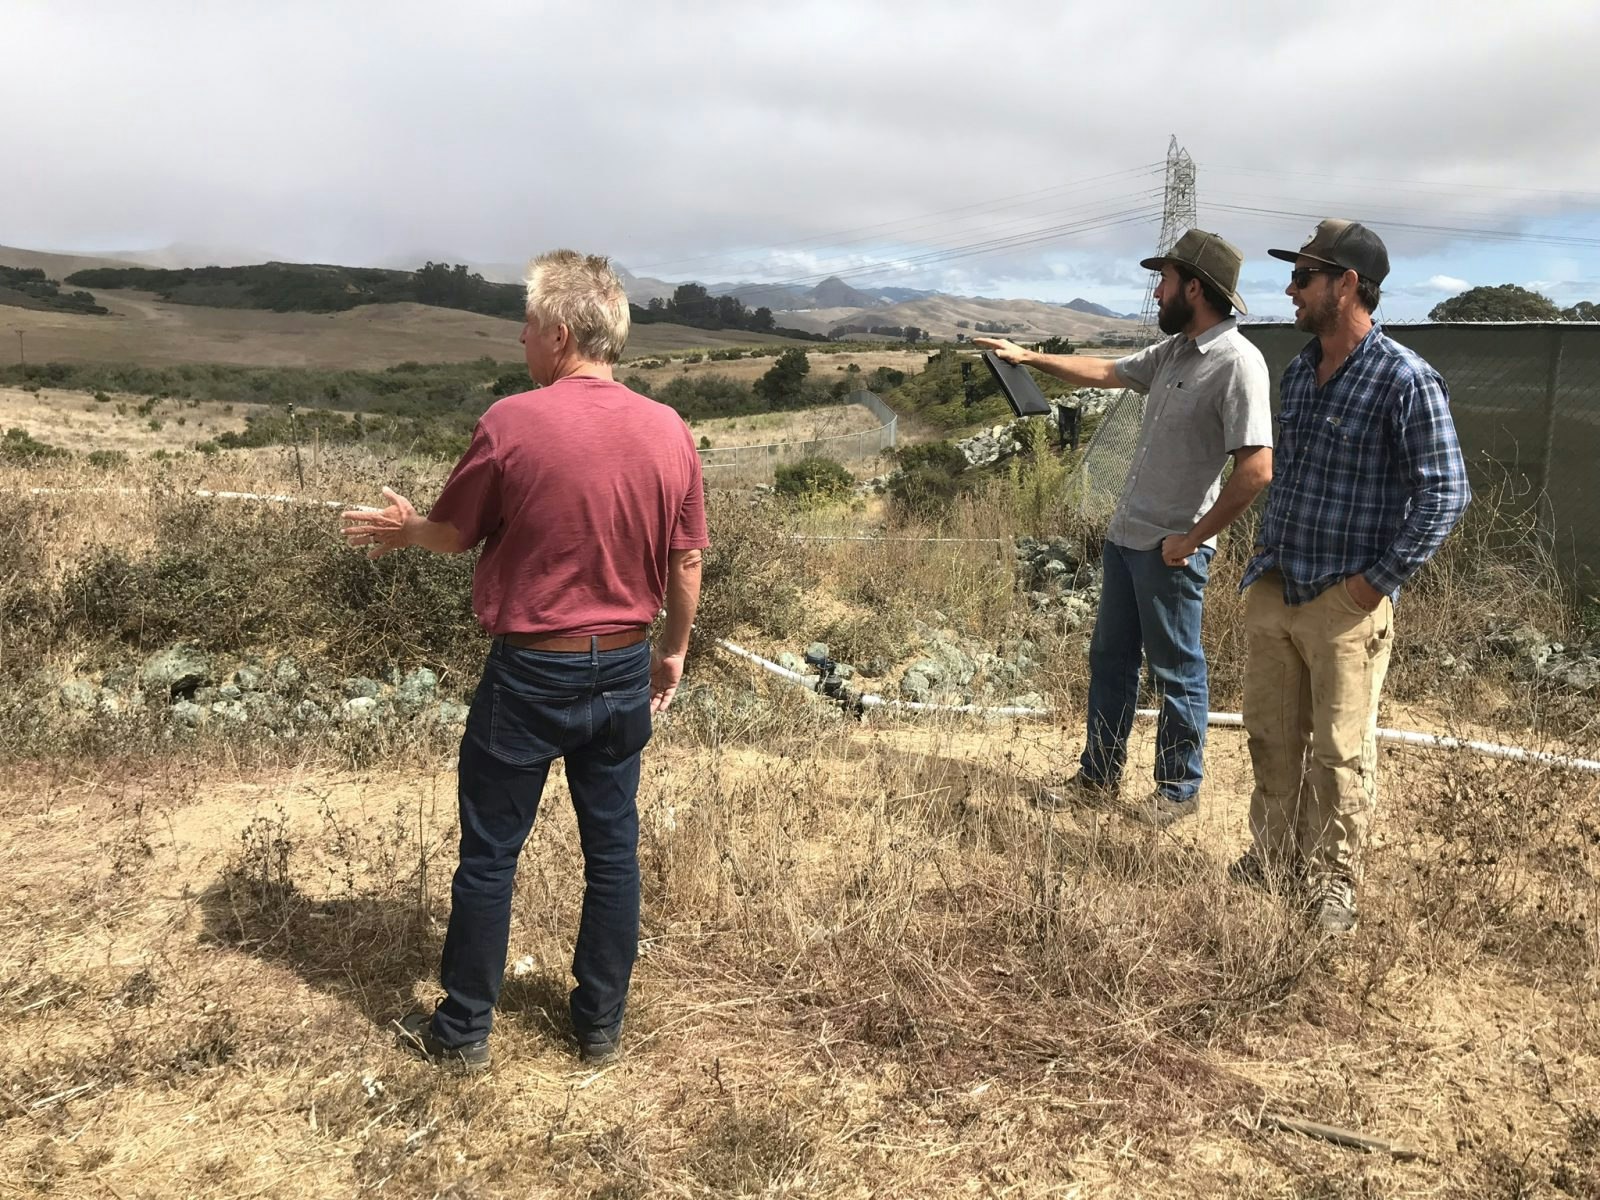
[
  {"x": 451, "y": 713},
  {"x": 790, "y": 661},
  {"x": 249, "y": 679},
  {"x": 309, "y": 713},
  {"x": 111, "y": 702},
  {"x": 287, "y": 673},
  {"x": 360, "y": 708},
  {"x": 1581, "y": 674},
  {"x": 416, "y": 691},
  {"x": 930, "y": 670},
  {"x": 359, "y": 687},
  {"x": 914, "y": 686},
  {"x": 187, "y": 713},
  {"x": 230, "y": 710},
  {"x": 205, "y": 697},
  {"x": 77, "y": 696},
  {"x": 230, "y": 692},
  {"x": 1027, "y": 700},
  {"x": 817, "y": 650},
  {"x": 844, "y": 671},
  {"x": 176, "y": 672},
  {"x": 264, "y": 708}
]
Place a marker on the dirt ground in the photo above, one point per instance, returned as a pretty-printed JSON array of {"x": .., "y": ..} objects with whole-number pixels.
[{"x": 174, "y": 1045}]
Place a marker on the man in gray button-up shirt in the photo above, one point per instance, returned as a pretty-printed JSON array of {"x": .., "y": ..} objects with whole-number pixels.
[{"x": 1208, "y": 400}]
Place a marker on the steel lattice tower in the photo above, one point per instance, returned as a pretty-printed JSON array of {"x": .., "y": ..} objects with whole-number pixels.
[{"x": 1177, "y": 218}]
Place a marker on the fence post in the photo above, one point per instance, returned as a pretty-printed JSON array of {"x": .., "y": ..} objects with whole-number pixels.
[{"x": 1552, "y": 385}]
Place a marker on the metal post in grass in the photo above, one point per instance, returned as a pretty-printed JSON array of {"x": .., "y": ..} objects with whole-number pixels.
[
  {"x": 1552, "y": 387},
  {"x": 294, "y": 438}
]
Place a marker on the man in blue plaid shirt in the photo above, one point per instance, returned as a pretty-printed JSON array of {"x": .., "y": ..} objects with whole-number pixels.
[{"x": 1369, "y": 480}]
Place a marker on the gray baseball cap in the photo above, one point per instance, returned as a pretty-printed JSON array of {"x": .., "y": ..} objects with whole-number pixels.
[
  {"x": 1345, "y": 244},
  {"x": 1208, "y": 256}
]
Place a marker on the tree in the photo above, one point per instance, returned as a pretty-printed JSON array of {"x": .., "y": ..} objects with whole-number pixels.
[
  {"x": 784, "y": 384},
  {"x": 692, "y": 302},
  {"x": 1055, "y": 345},
  {"x": 913, "y": 334},
  {"x": 1508, "y": 302},
  {"x": 1583, "y": 310}
]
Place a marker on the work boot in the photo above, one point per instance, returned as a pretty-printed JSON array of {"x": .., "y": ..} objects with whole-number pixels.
[
  {"x": 415, "y": 1032},
  {"x": 1078, "y": 792}
]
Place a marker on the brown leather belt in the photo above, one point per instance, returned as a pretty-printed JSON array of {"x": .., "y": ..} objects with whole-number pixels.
[{"x": 575, "y": 645}]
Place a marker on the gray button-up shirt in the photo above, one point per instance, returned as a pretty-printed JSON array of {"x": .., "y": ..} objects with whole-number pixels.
[{"x": 1208, "y": 398}]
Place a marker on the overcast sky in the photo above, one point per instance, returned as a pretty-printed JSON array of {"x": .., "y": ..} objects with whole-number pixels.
[{"x": 895, "y": 143}]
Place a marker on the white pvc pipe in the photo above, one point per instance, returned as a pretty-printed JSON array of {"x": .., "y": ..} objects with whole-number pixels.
[{"x": 1431, "y": 741}]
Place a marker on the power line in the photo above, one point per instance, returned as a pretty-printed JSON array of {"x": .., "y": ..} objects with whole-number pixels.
[
  {"x": 1486, "y": 235},
  {"x": 1012, "y": 201}
]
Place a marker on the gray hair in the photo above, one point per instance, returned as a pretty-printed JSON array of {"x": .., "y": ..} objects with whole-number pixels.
[{"x": 583, "y": 293}]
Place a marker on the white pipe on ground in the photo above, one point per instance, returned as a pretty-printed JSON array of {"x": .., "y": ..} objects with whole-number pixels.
[{"x": 1430, "y": 741}]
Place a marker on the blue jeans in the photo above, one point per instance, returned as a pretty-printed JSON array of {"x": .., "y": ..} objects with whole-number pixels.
[
  {"x": 591, "y": 708},
  {"x": 1150, "y": 608}
]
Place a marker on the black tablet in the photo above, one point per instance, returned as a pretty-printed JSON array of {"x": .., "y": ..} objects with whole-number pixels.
[{"x": 1021, "y": 391}]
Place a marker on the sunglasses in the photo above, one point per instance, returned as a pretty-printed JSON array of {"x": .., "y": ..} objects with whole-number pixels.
[{"x": 1301, "y": 276}]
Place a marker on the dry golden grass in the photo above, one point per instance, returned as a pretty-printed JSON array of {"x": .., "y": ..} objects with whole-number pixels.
[
  {"x": 141, "y": 328},
  {"x": 77, "y": 421},
  {"x": 802, "y": 425},
  {"x": 869, "y": 967}
]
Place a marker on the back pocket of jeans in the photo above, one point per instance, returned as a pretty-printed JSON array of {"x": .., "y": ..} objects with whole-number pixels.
[
  {"x": 524, "y": 731},
  {"x": 628, "y": 726}
]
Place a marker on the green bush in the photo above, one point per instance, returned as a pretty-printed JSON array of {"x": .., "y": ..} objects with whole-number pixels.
[
  {"x": 19, "y": 446},
  {"x": 927, "y": 479},
  {"x": 107, "y": 460},
  {"x": 814, "y": 477}
]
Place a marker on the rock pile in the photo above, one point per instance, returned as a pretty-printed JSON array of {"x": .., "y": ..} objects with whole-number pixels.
[{"x": 193, "y": 689}]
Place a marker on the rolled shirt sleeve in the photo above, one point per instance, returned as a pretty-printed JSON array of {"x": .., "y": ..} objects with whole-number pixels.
[{"x": 1245, "y": 405}]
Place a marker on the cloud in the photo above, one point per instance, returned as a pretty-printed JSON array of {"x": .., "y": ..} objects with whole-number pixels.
[
  {"x": 720, "y": 139},
  {"x": 1447, "y": 285}
]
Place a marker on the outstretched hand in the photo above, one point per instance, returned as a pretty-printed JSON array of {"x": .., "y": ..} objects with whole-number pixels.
[
  {"x": 1008, "y": 351},
  {"x": 379, "y": 529}
]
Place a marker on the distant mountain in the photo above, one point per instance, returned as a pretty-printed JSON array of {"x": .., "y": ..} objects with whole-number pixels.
[
  {"x": 834, "y": 292},
  {"x": 1079, "y": 304}
]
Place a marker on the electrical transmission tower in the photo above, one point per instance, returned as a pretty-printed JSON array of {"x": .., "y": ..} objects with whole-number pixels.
[{"x": 1177, "y": 218}]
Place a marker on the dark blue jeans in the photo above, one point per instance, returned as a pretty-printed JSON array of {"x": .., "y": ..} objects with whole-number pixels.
[
  {"x": 1149, "y": 608},
  {"x": 591, "y": 708}
]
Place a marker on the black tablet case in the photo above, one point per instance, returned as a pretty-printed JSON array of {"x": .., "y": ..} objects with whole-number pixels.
[{"x": 1022, "y": 393}]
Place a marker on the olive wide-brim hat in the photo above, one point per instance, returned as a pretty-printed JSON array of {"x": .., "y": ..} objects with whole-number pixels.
[{"x": 1214, "y": 259}]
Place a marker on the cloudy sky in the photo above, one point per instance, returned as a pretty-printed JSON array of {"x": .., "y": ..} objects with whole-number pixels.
[{"x": 915, "y": 144}]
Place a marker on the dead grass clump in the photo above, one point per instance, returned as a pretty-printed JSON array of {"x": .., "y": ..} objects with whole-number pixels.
[
  {"x": 745, "y": 1153},
  {"x": 754, "y": 574}
]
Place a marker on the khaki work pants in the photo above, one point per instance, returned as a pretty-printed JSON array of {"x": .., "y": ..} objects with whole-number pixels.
[{"x": 1311, "y": 709}]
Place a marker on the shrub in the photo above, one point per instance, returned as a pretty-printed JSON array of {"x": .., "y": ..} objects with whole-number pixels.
[
  {"x": 107, "y": 460},
  {"x": 19, "y": 446},
  {"x": 814, "y": 477},
  {"x": 927, "y": 479}
]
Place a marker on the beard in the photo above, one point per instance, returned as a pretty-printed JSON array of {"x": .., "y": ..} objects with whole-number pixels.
[
  {"x": 1175, "y": 315},
  {"x": 1319, "y": 317}
]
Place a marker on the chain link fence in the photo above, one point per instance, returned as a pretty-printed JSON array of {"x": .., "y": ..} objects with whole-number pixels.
[
  {"x": 1526, "y": 403},
  {"x": 732, "y": 465}
]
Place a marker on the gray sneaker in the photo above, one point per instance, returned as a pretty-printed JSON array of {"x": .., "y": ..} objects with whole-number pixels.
[
  {"x": 1077, "y": 792},
  {"x": 1334, "y": 905},
  {"x": 1158, "y": 810},
  {"x": 415, "y": 1032}
]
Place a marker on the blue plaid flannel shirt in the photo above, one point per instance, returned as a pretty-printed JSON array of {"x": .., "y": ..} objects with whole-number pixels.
[{"x": 1368, "y": 476}]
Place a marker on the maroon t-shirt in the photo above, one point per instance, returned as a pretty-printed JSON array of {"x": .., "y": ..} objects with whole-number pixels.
[{"x": 577, "y": 491}]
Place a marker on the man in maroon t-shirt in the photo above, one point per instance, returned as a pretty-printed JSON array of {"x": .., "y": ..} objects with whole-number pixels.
[{"x": 588, "y": 500}]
